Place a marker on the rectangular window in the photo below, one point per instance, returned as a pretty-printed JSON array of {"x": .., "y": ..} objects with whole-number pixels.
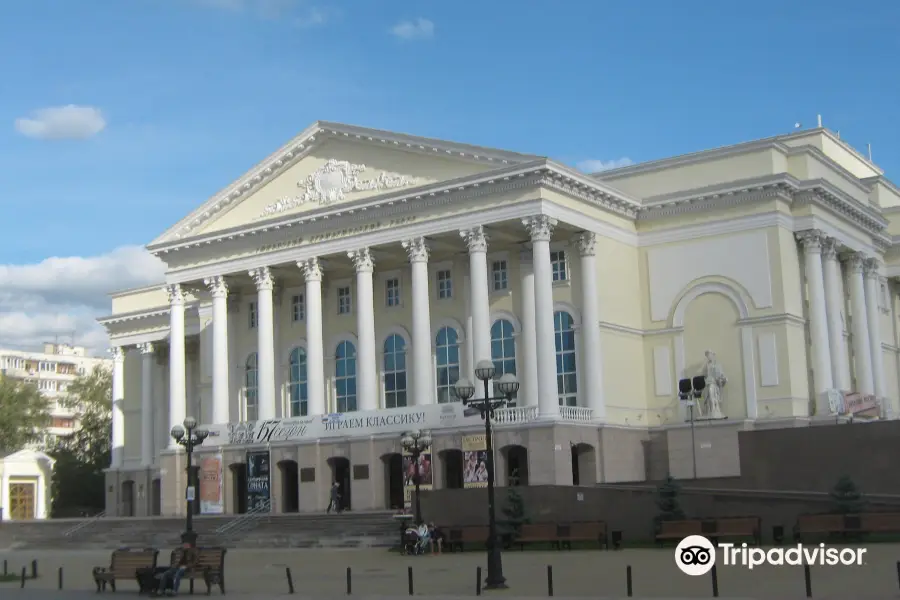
[
  {"x": 444, "y": 284},
  {"x": 344, "y": 301},
  {"x": 500, "y": 276},
  {"x": 558, "y": 264},
  {"x": 298, "y": 308},
  {"x": 251, "y": 314},
  {"x": 392, "y": 292}
]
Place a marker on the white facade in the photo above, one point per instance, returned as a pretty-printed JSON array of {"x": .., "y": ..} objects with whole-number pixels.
[
  {"x": 52, "y": 371},
  {"x": 362, "y": 270}
]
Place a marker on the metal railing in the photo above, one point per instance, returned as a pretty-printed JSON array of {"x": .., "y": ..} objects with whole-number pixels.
[
  {"x": 83, "y": 524},
  {"x": 246, "y": 521}
]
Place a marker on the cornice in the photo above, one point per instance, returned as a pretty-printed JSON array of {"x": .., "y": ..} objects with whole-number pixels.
[
  {"x": 743, "y": 192},
  {"x": 133, "y": 316},
  {"x": 537, "y": 173},
  {"x": 319, "y": 132}
]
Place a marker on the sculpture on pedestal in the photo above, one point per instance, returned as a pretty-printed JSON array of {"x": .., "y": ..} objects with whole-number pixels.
[{"x": 715, "y": 382}]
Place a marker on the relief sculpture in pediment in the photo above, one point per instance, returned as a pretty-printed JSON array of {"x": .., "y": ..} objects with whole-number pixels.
[{"x": 331, "y": 183}]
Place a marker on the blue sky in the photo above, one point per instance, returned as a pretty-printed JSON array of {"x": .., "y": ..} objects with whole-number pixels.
[{"x": 188, "y": 94}]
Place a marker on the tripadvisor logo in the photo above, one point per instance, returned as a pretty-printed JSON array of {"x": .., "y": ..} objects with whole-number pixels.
[{"x": 696, "y": 555}]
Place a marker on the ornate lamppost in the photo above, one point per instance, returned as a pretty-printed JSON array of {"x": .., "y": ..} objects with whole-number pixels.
[
  {"x": 416, "y": 442},
  {"x": 507, "y": 385},
  {"x": 190, "y": 437}
]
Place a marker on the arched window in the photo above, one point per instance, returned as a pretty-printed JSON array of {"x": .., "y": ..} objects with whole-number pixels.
[
  {"x": 297, "y": 388},
  {"x": 345, "y": 377},
  {"x": 394, "y": 371},
  {"x": 447, "y": 350},
  {"x": 251, "y": 387},
  {"x": 503, "y": 348},
  {"x": 566, "y": 376}
]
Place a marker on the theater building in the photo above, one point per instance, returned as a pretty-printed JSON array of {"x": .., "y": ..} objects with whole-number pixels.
[{"x": 326, "y": 302}]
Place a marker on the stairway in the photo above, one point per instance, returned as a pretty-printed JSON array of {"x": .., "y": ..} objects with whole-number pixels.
[{"x": 309, "y": 530}]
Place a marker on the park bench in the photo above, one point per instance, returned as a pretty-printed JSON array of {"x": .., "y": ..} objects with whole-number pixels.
[
  {"x": 458, "y": 537},
  {"x": 714, "y": 529},
  {"x": 834, "y": 524},
  {"x": 594, "y": 531},
  {"x": 210, "y": 567},
  {"x": 538, "y": 533},
  {"x": 124, "y": 565}
]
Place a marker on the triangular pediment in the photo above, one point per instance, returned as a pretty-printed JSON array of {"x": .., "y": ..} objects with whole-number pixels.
[{"x": 330, "y": 164}]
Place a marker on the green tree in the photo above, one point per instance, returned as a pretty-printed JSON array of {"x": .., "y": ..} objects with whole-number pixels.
[
  {"x": 846, "y": 498},
  {"x": 78, "y": 478},
  {"x": 24, "y": 414},
  {"x": 514, "y": 516},
  {"x": 667, "y": 501}
]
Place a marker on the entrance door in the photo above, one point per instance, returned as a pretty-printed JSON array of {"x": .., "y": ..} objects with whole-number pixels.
[
  {"x": 21, "y": 501},
  {"x": 340, "y": 470},
  {"x": 395, "y": 480}
]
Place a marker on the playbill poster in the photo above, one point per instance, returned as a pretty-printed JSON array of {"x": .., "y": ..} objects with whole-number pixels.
[
  {"x": 474, "y": 461},
  {"x": 211, "y": 499},
  {"x": 426, "y": 474}
]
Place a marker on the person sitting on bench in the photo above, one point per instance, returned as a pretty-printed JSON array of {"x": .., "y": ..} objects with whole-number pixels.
[{"x": 171, "y": 579}]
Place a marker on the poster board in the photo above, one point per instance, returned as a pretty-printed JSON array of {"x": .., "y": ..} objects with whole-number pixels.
[
  {"x": 474, "y": 461},
  {"x": 259, "y": 480},
  {"x": 426, "y": 474},
  {"x": 211, "y": 477}
]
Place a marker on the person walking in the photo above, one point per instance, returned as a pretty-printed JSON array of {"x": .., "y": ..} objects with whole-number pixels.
[{"x": 335, "y": 501}]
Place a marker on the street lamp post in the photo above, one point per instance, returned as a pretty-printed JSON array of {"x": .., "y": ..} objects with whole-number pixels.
[
  {"x": 190, "y": 437},
  {"x": 507, "y": 385},
  {"x": 416, "y": 442}
]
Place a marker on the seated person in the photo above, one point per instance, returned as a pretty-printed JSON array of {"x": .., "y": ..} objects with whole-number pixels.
[
  {"x": 435, "y": 538},
  {"x": 170, "y": 580}
]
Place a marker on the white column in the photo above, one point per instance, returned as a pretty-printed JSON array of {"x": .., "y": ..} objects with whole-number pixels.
[
  {"x": 541, "y": 229},
  {"x": 218, "y": 288},
  {"x": 315, "y": 355},
  {"x": 177, "y": 376},
  {"x": 834, "y": 306},
  {"x": 148, "y": 361},
  {"x": 528, "y": 348},
  {"x": 862, "y": 351},
  {"x": 873, "y": 315},
  {"x": 265, "y": 345},
  {"x": 4, "y": 496},
  {"x": 818, "y": 321},
  {"x": 481, "y": 315},
  {"x": 118, "y": 414},
  {"x": 590, "y": 319},
  {"x": 366, "y": 371},
  {"x": 423, "y": 365}
]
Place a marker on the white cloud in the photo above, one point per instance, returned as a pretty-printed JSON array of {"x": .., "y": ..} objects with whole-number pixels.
[
  {"x": 62, "y": 295},
  {"x": 417, "y": 29},
  {"x": 62, "y": 122},
  {"x": 595, "y": 166}
]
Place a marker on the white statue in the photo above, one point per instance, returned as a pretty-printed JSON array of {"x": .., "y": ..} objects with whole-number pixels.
[{"x": 715, "y": 381}]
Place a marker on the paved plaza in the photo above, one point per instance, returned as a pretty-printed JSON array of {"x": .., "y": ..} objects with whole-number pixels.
[{"x": 260, "y": 574}]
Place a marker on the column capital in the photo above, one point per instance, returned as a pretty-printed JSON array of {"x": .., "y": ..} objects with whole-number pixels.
[
  {"x": 475, "y": 238},
  {"x": 831, "y": 247},
  {"x": 117, "y": 353},
  {"x": 262, "y": 277},
  {"x": 312, "y": 269},
  {"x": 146, "y": 348},
  {"x": 217, "y": 285},
  {"x": 811, "y": 240},
  {"x": 539, "y": 227},
  {"x": 416, "y": 249},
  {"x": 175, "y": 293},
  {"x": 587, "y": 243},
  {"x": 870, "y": 267},
  {"x": 362, "y": 260},
  {"x": 855, "y": 261}
]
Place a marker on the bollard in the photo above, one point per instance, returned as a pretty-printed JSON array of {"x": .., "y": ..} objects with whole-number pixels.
[
  {"x": 898, "y": 572},
  {"x": 550, "y": 580},
  {"x": 34, "y": 569},
  {"x": 478, "y": 581},
  {"x": 808, "y": 579},
  {"x": 409, "y": 577},
  {"x": 24, "y": 572},
  {"x": 60, "y": 578},
  {"x": 287, "y": 573},
  {"x": 5, "y": 568},
  {"x": 349, "y": 581},
  {"x": 715, "y": 581},
  {"x": 628, "y": 581}
]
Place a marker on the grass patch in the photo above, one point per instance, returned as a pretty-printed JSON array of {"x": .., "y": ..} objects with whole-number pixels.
[{"x": 9, "y": 577}]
